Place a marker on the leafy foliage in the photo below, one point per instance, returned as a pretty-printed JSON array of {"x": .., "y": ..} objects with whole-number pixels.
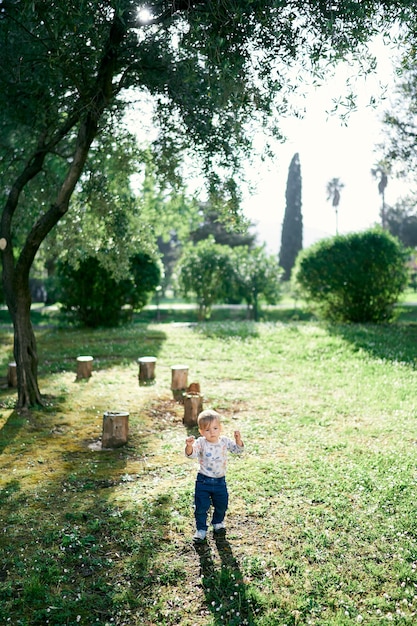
[
  {"x": 106, "y": 219},
  {"x": 168, "y": 214},
  {"x": 95, "y": 298},
  {"x": 205, "y": 270},
  {"x": 400, "y": 121},
  {"x": 353, "y": 278},
  {"x": 401, "y": 221},
  {"x": 215, "y": 273},
  {"x": 292, "y": 227},
  {"x": 212, "y": 224},
  {"x": 256, "y": 275}
]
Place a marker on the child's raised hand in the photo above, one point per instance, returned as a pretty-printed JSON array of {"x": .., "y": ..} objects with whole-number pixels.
[
  {"x": 189, "y": 445},
  {"x": 238, "y": 438}
]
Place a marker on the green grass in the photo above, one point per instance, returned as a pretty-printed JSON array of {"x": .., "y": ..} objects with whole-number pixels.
[{"x": 322, "y": 523}]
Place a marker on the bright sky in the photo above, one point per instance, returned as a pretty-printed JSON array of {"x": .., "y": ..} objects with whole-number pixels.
[{"x": 328, "y": 149}]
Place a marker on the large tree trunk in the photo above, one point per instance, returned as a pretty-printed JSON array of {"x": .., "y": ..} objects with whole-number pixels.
[
  {"x": 18, "y": 298},
  {"x": 26, "y": 357},
  {"x": 16, "y": 268}
]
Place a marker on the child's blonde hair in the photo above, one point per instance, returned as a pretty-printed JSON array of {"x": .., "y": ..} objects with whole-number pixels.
[{"x": 208, "y": 416}]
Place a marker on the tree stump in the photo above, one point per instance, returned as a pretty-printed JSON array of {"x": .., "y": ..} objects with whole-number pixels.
[
  {"x": 147, "y": 370},
  {"x": 84, "y": 366},
  {"x": 115, "y": 429},
  {"x": 193, "y": 388},
  {"x": 12, "y": 375},
  {"x": 179, "y": 377},
  {"x": 193, "y": 405}
]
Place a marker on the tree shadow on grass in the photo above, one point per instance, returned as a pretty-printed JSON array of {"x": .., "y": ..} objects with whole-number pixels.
[
  {"x": 228, "y": 598},
  {"x": 83, "y": 529},
  {"x": 227, "y": 330},
  {"x": 68, "y": 545},
  {"x": 11, "y": 428},
  {"x": 391, "y": 342},
  {"x": 246, "y": 329},
  {"x": 58, "y": 349}
]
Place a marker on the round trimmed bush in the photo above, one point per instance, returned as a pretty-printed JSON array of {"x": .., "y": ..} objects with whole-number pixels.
[{"x": 353, "y": 278}]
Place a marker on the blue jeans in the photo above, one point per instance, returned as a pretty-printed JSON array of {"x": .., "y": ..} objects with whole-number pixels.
[{"x": 210, "y": 491}]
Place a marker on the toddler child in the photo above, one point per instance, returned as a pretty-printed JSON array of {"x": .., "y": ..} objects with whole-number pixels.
[{"x": 210, "y": 488}]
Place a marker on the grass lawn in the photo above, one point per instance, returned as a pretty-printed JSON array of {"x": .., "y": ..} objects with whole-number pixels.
[{"x": 322, "y": 525}]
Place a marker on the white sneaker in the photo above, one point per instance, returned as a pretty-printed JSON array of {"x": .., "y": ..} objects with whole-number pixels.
[
  {"x": 199, "y": 536},
  {"x": 219, "y": 531}
]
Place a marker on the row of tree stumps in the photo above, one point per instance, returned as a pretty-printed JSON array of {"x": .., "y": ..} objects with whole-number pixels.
[
  {"x": 84, "y": 370},
  {"x": 116, "y": 423},
  {"x": 188, "y": 395}
]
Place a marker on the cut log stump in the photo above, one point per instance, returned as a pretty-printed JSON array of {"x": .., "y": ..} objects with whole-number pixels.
[
  {"x": 12, "y": 375},
  {"x": 147, "y": 370},
  {"x": 115, "y": 429},
  {"x": 179, "y": 378},
  {"x": 84, "y": 366},
  {"x": 193, "y": 405},
  {"x": 193, "y": 388}
]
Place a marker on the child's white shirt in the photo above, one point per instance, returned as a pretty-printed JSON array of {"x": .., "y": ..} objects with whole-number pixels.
[{"x": 212, "y": 457}]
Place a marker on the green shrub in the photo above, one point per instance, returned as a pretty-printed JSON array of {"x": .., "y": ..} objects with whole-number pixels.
[
  {"x": 94, "y": 298},
  {"x": 353, "y": 278},
  {"x": 146, "y": 276},
  {"x": 205, "y": 271},
  {"x": 256, "y": 277}
]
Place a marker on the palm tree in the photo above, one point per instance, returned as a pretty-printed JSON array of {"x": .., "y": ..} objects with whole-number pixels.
[
  {"x": 334, "y": 187},
  {"x": 380, "y": 171}
]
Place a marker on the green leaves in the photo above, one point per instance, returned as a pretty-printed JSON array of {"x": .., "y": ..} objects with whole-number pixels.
[
  {"x": 215, "y": 273},
  {"x": 256, "y": 275},
  {"x": 205, "y": 270},
  {"x": 353, "y": 278},
  {"x": 95, "y": 298}
]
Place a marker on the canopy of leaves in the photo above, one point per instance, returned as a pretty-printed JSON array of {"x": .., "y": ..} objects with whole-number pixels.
[
  {"x": 401, "y": 221},
  {"x": 211, "y": 224},
  {"x": 207, "y": 67},
  {"x": 333, "y": 189},
  {"x": 106, "y": 220},
  {"x": 400, "y": 121},
  {"x": 166, "y": 208},
  {"x": 353, "y": 278}
]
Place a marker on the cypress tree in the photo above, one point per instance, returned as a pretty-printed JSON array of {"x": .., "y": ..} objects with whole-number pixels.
[{"x": 292, "y": 227}]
